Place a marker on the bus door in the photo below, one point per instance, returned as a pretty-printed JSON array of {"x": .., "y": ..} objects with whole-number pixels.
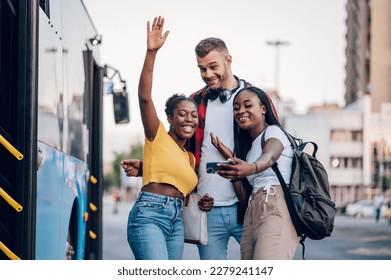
[{"x": 18, "y": 128}]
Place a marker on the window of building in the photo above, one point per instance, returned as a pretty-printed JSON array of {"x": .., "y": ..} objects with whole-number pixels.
[
  {"x": 357, "y": 136},
  {"x": 346, "y": 162}
]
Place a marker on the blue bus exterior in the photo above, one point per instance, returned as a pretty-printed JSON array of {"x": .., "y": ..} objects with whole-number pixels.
[
  {"x": 51, "y": 113},
  {"x": 63, "y": 128},
  {"x": 61, "y": 186}
]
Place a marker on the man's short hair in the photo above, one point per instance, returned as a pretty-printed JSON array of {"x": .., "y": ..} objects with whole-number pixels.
[{"x": 205, "y": 46}]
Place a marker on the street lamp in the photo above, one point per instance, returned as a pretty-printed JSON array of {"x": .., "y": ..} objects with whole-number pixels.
[{"x": 277, "y": 44}]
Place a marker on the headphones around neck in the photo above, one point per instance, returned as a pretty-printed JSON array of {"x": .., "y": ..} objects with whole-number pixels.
[{"x": 224, "y": 94}]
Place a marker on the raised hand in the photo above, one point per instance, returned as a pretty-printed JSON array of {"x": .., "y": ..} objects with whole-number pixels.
[
  {"x": 155, "y": 39},
  {"x": 224, "y": 150}
]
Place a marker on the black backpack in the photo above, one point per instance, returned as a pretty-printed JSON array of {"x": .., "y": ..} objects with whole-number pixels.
[{"x": 308, "y": 197}]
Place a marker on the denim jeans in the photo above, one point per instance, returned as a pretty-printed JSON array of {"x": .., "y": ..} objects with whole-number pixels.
[
  {"x": 222, "y": 224},
  {"x": 155, "y": 227}
]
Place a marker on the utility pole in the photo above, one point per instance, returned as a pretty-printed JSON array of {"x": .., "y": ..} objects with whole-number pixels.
[{"x": 277, "y": 44}]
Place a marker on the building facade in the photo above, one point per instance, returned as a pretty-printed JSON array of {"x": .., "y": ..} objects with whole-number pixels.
[
  {"x": 355, "y": 141},
  {"x": 368, "y": 51},
  {"x": 354, "y": 147}
]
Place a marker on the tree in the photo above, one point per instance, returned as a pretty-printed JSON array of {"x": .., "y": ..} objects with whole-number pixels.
[{"x": 113, "y": 178}]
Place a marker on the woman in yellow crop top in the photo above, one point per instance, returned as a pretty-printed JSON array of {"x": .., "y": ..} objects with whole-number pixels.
[{"x": 155, "y": 226}]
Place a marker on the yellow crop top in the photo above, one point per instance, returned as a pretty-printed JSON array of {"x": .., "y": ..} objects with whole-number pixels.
[{"x": 165, "y": 162}]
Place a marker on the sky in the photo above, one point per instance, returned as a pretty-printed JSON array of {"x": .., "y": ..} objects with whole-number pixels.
[{"x": 310, "y": 69}]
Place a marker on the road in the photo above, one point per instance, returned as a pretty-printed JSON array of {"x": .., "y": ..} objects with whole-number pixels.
[
  {"x": 352, "y": 239},
  {"x": 115, "y": 245}
]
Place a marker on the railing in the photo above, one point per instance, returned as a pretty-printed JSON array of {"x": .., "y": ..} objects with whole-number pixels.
[
  {"x": 8, "y": 198},
  {"x": 11, "y": 148}
]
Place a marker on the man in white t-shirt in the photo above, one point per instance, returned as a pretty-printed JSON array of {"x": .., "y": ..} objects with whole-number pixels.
[{"x": 215, "y": 114}]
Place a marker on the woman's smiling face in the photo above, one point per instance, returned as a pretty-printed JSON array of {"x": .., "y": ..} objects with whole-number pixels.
[
  {"x": 248, "y": 110},
  {"x": 184, "y": 121}
]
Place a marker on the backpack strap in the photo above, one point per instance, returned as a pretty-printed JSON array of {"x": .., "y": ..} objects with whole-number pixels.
[
  {"x": 302, "y": 147},
  {"x": 287, "y": 195},
  {"x": 291, "y": 207},
  {"x": 295, "y": 142}
]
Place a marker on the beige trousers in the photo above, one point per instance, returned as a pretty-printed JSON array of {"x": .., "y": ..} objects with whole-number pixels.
[{"x": 268, "y": 232}]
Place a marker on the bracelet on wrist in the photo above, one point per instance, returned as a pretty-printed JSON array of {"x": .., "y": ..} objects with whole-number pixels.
[
  {"x": 140, "y": 170},
  {"x": 256, "y": 167}
]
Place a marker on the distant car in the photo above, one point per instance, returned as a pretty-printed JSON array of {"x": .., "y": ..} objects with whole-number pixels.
[{"x": 364, "y": 208}]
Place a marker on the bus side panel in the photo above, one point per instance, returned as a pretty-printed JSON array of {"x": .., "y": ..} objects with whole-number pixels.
[
  {"x": 61, "y": 181},
  {"x": 81, "y": 74},
  {"x": 62, "y": 135},
  {"x": 76, "y": 173},
  {"x": 50, "y": 181}
]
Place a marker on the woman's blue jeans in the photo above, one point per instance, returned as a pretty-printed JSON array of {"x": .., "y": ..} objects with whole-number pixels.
[{"x": 155, "y": 227}]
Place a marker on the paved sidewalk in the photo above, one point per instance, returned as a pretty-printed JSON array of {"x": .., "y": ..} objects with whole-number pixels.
[{"x": 115, "y": 245}]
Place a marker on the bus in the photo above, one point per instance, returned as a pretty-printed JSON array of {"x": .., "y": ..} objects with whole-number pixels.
[{"x": 51, "y": 113}]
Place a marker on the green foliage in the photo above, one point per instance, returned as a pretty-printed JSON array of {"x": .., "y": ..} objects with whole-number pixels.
[
  {"x": 386, "y": 183},
  {"x": 113, "y": 178},
  {"x": 110, "y": 180},
  {"x": 136, "y": 151}
]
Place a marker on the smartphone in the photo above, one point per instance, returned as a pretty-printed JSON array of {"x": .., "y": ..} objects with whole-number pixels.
[{"x": 212, "y": 167}]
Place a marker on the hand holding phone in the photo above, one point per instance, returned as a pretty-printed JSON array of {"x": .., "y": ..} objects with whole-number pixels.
[{"x": 212, "y": 167}]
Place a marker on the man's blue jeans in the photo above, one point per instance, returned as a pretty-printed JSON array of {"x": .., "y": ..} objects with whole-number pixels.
[
  {"x": 222, "y": 224},
  {"x": 155, "y": 227}
]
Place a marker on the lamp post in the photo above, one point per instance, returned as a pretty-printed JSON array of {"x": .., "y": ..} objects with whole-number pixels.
[{"x": 277, "y": 44}]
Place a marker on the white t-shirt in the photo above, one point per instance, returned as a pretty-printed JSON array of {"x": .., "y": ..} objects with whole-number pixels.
[
  {"x": 268, "y": 177},
  {"x": 219, "y": 120}
]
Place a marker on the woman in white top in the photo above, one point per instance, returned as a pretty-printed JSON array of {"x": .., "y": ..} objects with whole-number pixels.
[{"x": 268, "y": 232}]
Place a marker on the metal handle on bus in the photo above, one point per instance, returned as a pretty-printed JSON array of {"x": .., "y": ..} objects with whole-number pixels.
[
  {"x": 11, "y": 148},
  {"x": 8, "y": 252},
  {"x": 93, "y": 179},
  {"x": 10, "y": 200},
  {"x": 92, "y": 234},
  {"x": 93, "y": 207}
]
